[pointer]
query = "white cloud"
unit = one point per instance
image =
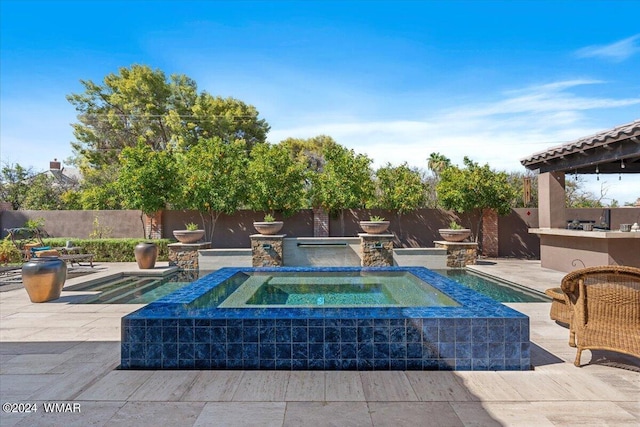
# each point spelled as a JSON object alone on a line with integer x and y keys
{"x": 617, "y": 52}
{"x": 518, "y": 124}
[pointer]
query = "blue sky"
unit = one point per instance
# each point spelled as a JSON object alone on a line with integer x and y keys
{"x": 496, "y": 81}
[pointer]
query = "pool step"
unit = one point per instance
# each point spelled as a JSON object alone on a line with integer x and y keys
{"x": 124, "y": 290}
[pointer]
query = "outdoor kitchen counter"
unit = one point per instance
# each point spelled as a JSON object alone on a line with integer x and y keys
{"x": 613, "y": 234}
{"x": 566, "y": 250}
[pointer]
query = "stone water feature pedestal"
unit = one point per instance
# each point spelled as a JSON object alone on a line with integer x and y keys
{"x": 266, "y": 250}
{"x": 376, "y": 250}
{"x": 459, "y": 254}
{"x": 185, "y": 255}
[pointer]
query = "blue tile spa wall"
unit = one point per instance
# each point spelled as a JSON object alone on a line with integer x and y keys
{"x": 331, "y": 344}
{"x": 482, "y": 335}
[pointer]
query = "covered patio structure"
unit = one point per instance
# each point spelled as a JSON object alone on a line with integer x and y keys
{"x": 566, "y": 246}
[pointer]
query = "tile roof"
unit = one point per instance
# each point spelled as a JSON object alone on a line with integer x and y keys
{"x": 599, "y": 139}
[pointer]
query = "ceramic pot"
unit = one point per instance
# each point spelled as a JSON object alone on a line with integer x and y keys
{"x": 44, "y": 277}
{"x": 374, "y": 227}
{"x": 454, "y": 235}
{"x": 146, "y": 254}
{"x": 268, "y": 227}
{"x": 188, "y": 236}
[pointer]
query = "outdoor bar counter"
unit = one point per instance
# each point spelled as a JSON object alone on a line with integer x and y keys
{"x": 567, "y": 250}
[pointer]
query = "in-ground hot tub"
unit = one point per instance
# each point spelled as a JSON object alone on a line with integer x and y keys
{"x": 333, "y": 318}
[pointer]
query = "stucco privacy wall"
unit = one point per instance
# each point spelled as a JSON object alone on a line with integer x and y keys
{"x": 77, "y": 224}
{"x": 412, "y": 230}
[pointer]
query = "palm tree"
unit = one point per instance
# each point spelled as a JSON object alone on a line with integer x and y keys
{"x": 437, "y": 163}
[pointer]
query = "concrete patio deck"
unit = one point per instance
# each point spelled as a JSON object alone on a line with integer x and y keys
{"x": 65, "y": 352}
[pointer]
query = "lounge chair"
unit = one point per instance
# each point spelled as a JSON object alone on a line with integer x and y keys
{"x": 606, "y": 309}
{"x": 27, "y": 241}
{"x": 30, "y": 244}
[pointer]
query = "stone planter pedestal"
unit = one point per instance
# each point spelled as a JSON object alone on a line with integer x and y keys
{"x": 459, "y": 254}
{"x": 185, "y": 255}
{"x": 266, "y": 250}
{"x": 376, "y": 250}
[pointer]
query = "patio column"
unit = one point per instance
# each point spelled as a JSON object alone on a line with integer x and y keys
{"x": 490, "y": 242}
{"x": 153, "y": 225}
{"x": 551, "y": 200}
{"x": 320, "y": 223}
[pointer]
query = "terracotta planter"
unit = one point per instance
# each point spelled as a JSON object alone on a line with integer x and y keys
{"x": 271, "y": 227}
{"x": 454, "y": 235}
{"x": 146, "y": 254}
{"x": 374, "y": 227}
{"x": 43, "y": 278}
{"x": 188, "y": 236}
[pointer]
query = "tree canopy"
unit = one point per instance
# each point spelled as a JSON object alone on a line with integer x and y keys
{"x": 140, "y": 105}
{"x": 14, "y": 184}
{"x": 474, "y": 188}
{"x": 276, "y": 182}
{"x": 345, "y": 181}
{"x": 399, "y": 188}
{"x": 212, "y": 177}
{"x": 147, "y": 179}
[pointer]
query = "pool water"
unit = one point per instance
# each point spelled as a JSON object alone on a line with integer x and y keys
{"x": 328, "y": 289}
{"x": 499, "y": 291}
{"x": 345, "y": 294}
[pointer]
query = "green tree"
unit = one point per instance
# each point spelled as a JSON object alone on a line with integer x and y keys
{"x": 147, "y": 179}
{"x": 577, "y": 197}
{"x": 14, "y": 184}
{"x": 44, "y": 194}
{"x": 436, "y": 163}
{"x": 99, "y": 189}
{"x": 276, "y": 182}
{"x": 399, "y": 188}
{"x": 474, "y": 188}
{"x": 345, "y": 181}
{"x": 130, "y": 107}
{"x": 72, "y": 199}
{"x": 310, "y": 150}
{"x": 141, "y": 105}
{"x": 213, "y": 116}
{"x": 212, "y": 175}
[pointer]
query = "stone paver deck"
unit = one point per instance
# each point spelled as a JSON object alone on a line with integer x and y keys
{"x": 67, "y": 352}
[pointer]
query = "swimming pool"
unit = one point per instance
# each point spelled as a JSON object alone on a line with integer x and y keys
{"x": 180, "y": 331}
{"x": 140, "y": 289}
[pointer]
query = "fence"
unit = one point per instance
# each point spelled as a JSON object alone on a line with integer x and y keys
{"x": 412, "y": 230}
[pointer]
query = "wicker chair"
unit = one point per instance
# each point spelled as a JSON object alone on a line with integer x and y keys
{"x": 606, "y": 309}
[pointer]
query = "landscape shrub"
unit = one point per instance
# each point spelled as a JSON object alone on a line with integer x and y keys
{"x": 111, "y": 250}
{"x": 8, "y": 252}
